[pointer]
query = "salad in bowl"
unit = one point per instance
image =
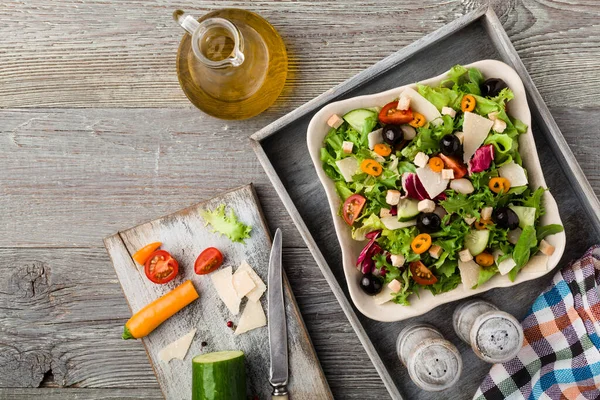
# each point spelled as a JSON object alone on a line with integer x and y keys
{"x": 436, "y": 190}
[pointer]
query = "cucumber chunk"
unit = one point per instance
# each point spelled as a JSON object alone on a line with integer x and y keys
{"x": 476, "y": 241}
{"x": 526, "y": 215}
{"x": 362, "y": 120}
{"x": 407, "y": 209}
{"x": 219, "y": 376}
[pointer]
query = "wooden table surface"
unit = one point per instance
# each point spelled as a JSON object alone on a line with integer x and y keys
{"x": 97, "y": 136}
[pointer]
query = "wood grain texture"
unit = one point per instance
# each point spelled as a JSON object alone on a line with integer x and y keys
{"x": 103, "y": 74}
{"x": 185, "y": 234}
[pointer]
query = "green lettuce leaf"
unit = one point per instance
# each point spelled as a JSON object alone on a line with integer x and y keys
{"x": 444, "y": 284}
{"x": 522, "y": 251}
{"x": 548, "y": 230}
{"x": 485, "y": 274}
{"x": 227, "y": 225}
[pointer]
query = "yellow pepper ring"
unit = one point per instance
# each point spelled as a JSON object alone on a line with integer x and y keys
{"x": 468, "y": 103}
{"x": 371, "y": 167}
{"x": 421, "y": 243}
{"x": 418, "y": 120}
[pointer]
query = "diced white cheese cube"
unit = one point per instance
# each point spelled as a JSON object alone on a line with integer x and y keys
{"x": 392, "y": 197}
{"x": 347, "y": 147}
{"x": 546, "y": 248}
{"x": 499, "y": 126}
{"x": 514, "y": 173}
{"x": 421, "y": 159}
{"x": 403, "y": 103}
{"x": 335, "y": 121}
{"x": 469, "y": 273}
{"x": 493, "y": 115}
{"x": 432, "y": 181}
{"x": 514, "y": 235}
{"x": 423, "y": 106}
{"x": 536, "y": 265}
{"x": 470, "y": 220}
{"x": 486, "y": 212}
{"x": 385, "y": 212}
{"x": 398, "y": 260}
{"x": 408, "y": 131}
{"x": 435, "y": 251}
{"x": 460, "y": 136}
{"x": 395, "y": 285}
{"x": 448, "y": 111}
{"x": 447, "y": 174}
{"x": 375, "y": 137}
{"x": 476, "y": 129}
{"x": 348, "y": 167}
{"x": 465, "y": 255}
{"x": 426, "y": 206}
{"x": 505, "y": 266}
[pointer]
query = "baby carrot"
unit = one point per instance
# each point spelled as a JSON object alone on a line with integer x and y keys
{"x": 161, "y": 309}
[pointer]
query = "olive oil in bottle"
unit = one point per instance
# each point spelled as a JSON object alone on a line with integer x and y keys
{"x": 232, "y": 64}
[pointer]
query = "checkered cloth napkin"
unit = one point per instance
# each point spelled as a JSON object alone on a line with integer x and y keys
{"x": 560, "y": 357}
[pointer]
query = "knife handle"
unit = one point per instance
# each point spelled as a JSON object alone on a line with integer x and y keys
{"x": 280, "y": 393}
{"x": 279, "y": 397}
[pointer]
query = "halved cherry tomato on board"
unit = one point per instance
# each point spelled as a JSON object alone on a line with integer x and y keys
{"x": 382, "y": 149}
{"x": 371, "y": 167}
{"x": 389, "y": 114}
{"x": 417, "y": 121}
{"x": 455, "y": 165}
{"x": 352, "y": 208}
{"x": 161, "y": 267}
{"x": 209, "y": 260}
{"x": 468, "y": 103}
{"x": 498, "y": 185}
{"x": 421, "y": 274}
{"x": 143, "y": 254}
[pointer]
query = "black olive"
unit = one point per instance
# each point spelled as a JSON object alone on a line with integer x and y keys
{"x": 392, "y": 134}
{"x": 429, "y": 222}
{"x": 450, "y": 145}
{"x": 492, "y": 87}
{"x": 506, "y": 218}
{"x": 371, "y": 284}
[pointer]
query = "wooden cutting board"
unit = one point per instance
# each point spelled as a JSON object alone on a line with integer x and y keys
{"x": 185, "y": 235}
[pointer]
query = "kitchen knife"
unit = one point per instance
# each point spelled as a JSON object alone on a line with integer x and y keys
{"x": 278, "y": 373}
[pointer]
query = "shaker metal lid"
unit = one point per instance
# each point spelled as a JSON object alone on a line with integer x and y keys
{"x": 435, "y": 365}
{"x": 496, "y": 337}
{"x": 465, "y": 315}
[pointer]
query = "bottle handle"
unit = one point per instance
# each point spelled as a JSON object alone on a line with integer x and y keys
{"x": 186, "y": 21}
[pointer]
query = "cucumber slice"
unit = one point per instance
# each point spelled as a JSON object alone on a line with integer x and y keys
{"x": 362, "y": 120}
{"x": 407, "y": 209}
{"x": 526, "y": 215}
{"x": 219, "y": 376}
{"x": 476, "y": 241}
{"x": 392, "y": 223}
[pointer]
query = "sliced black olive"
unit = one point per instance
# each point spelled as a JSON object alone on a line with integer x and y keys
{"x": 492, "y": 87}
{"x": 371, "y": 284}
{"x": 506, "y": 218}
{"x": 392, "y": 134}
{"x": 450, "y": 146}
{"x": 429, "y": 222}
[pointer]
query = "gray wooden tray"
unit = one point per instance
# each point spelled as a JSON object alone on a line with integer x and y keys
{"x": 476, "y": 36}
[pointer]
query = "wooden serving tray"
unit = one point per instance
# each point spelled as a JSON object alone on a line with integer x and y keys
{"x": 185, "y": 235}
{"x": 476, "y": 36}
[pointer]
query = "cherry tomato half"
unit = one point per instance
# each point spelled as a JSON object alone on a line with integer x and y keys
{"x": 421, "y": 274}
{"x": 352, "y": 208}
{"x": 209, "y": 260}
{"x": 389, "y": 114}
{"x": 161, "y": 267}
{"x": 455, "y": 165}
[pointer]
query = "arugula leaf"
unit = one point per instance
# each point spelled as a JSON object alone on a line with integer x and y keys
{"x": 548, "y": 230}
{"x": 227, "y": 225}
{"x": 522, "y": 251}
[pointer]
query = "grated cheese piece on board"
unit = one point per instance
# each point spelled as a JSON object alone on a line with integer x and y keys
{"x": 222, "y": 280}
{"x": 243, "y": 283}
{"x": 255, "y": 294}
{"x": 252, "y": 317}
{"x": 177, "y": 349}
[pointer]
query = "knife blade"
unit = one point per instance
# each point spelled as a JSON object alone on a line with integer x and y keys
{"x": 278, "y": 372}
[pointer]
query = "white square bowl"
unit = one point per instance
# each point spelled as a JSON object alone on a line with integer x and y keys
{"x": 388, "y": 312}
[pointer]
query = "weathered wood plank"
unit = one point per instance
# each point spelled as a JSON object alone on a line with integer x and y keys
{"x": 81, "y": 394}
{"x": 123, "y": 54}
{"x": 185, "y": 234}
{"x": 62, "y": 312}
